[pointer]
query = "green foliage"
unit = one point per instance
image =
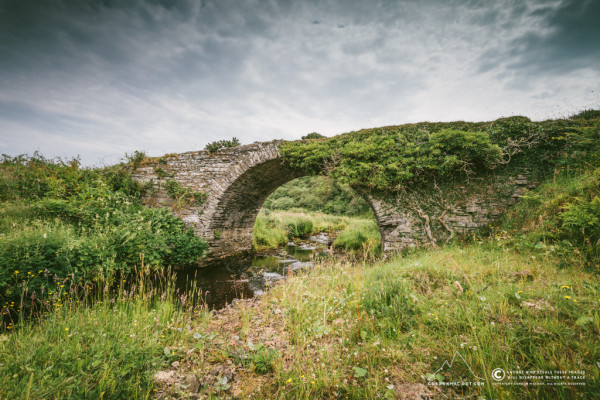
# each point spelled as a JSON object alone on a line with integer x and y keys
{"x": 263, "y": 359}
{"x": 268, "y": 232}
{"x": 59, "y": 220}
{"x": 359, "y": 235}
{"x": 300, "y": 228}
{"x": 317, "y": 193}
{"x": 136, "y": 158}
{"x": 312, "y": 135}
{"x": 392, "y": 157}
{"x": 420, "y": 308}
{"x": 587, "y": 114}
{"x": 184, "y": 195}
{"x": 213, "y": 147}
{"x": 582, "y": 220}
{"x": 561, "y": 216}
{"x": 353, "y": 234}
{"x": 94, "y": 344}
{"x": 161, "y": 173}
{"x": 387, "y": 297}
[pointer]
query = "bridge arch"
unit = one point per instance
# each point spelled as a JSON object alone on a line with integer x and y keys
{"x": 238, "y": 180}
{"x": 238, "y": 206}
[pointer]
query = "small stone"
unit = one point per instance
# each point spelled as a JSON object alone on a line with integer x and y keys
{"x": 164, "y": 377}
{"x": 175, "y": 365}
{"x": 193, "y": 383}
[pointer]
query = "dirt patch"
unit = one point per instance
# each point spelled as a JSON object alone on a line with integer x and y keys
{"x": 223, "y": 360}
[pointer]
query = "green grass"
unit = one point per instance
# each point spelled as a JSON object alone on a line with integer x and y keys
{"x": 67, "y": 221}
{"x": 561, "y": 216}
{"x": 359, "y": 235}
{"x": 523, "y": 296}
{"x": 105, "y": 343}
{"x": 275, "y": 228}
{"x": 367, "y": 331}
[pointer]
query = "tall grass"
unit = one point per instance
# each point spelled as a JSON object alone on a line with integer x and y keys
{"x": 102, "y": 340}
{"x": 275, "y": 228}
{"x": 368, "y": 331}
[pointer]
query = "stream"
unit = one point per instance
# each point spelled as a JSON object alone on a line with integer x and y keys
{"x": 243, "y": 277}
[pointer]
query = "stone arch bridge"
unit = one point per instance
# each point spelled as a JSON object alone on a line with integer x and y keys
{"x": 238, "y": 180}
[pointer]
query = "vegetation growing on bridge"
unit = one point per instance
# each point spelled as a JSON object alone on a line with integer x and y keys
{"x": 391, "y": 157}
{"x": 213, "y": 147}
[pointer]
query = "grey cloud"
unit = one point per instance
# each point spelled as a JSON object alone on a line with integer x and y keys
{"x": 166, "y": 75}
{"x": 565, "y": 40}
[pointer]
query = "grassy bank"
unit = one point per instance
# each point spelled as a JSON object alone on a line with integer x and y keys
{"x": 384, "y": 330}
{"x": 523, "y": 296}
{"x": 340, "y": 330}
{"x": 104, "y": 341}
{"x": 275, "y": 228}
{"x": 59, "y": 221}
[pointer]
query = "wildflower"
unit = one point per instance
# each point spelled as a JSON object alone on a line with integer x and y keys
{"x": 567, "y": 297}
{"x": 289, "y": 380}
{"x": 565, "y": 287}
{"x": 66, "y": 329}
{"x": 16, "y": 271}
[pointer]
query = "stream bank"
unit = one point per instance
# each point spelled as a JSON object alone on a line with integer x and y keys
{"x": 246, "y": 276}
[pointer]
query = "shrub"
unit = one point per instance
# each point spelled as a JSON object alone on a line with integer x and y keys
{"x": 184, "y": 195}
{"x": 313, "y": 135}
{"x": 300, "y": 228}
{"x": 213, "y": 147}
{"x": 84, "y": 223}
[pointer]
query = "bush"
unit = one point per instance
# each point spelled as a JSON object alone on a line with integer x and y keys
{"x": 394, "y": 157}
{"x": 213, "y": 147}
{"x": 317, "y": 193}
{"x": 83, "y": 224}
{"x": 300, "y": 228}
{"x": 313, "y": 135}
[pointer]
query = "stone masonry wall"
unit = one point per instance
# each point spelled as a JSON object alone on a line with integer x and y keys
{"x": 433, "y": 214}
{"x": 238, "y": 180}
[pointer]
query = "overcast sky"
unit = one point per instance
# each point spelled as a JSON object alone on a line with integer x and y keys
{"x": 99, "y": 78}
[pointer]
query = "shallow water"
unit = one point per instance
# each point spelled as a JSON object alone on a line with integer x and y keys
{"x": 243, "y": 277}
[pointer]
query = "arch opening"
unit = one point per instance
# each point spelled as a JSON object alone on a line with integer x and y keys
{"x": 273, "y": 187}
{"x": 317, "y": 205}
